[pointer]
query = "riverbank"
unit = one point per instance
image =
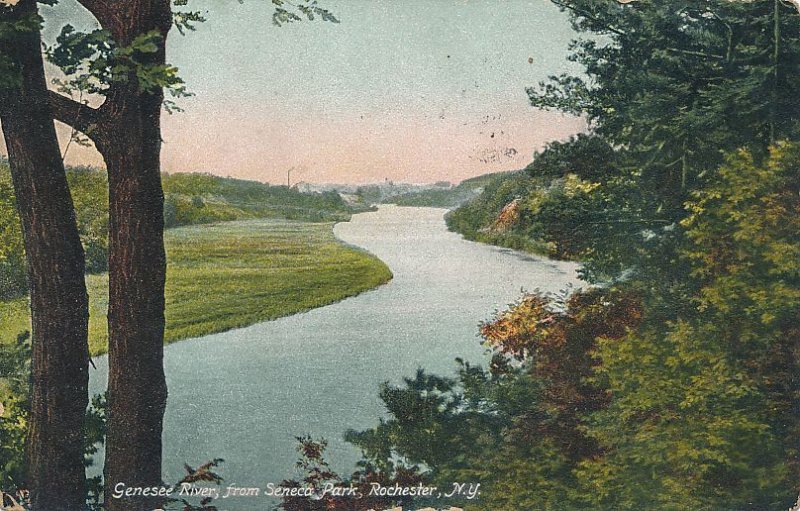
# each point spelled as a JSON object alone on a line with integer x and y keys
{"x": 233, "y": 274}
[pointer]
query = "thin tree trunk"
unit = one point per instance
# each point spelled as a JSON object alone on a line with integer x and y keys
{"x": 776, "y": 54}
{"x": 59, "y": 303}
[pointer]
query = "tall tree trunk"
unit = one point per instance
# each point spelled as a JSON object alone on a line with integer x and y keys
{"x": 137, "y": 271}
{"x": 130, "y": 141}
{"x": 59, "y": 303}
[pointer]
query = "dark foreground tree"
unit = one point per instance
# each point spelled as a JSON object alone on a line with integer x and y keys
{"x": 55, "y": 259}
{"x": 126, "y": 130}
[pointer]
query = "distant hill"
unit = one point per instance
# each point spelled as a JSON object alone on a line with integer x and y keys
{"x": 202, "y": 198}
{"x": 449, "y": 198}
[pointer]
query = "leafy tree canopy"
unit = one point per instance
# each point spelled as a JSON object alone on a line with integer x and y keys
{"x": 678, "y": 83}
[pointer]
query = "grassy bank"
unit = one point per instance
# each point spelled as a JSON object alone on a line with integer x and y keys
{"x": 233, "y": 274}
{"x": 189, "y": 199}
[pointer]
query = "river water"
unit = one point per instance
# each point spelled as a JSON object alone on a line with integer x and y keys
{"x": 244, "y": 395}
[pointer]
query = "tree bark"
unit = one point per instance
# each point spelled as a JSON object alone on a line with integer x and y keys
{"x": 137, "y": 272}
{"x": 55, "y": 258}
{"x": 129, "y": 138}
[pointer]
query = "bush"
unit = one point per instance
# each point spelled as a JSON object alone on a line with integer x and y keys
{"x": 14, "y": 382}
{"x": 13, "y": 275}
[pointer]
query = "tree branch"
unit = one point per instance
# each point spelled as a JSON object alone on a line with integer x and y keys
{"x": 75, "y": 114}
{"x": 590, "y": 17}
{"x": 692, "y": 53}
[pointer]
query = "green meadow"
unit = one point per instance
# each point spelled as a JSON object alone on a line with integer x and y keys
{"x": 232, "y": 274}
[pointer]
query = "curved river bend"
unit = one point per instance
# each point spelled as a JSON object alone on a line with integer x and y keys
{"x": 244, "y": 395}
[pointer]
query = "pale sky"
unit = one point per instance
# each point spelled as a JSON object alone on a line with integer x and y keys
{"x": 412, "y": 91}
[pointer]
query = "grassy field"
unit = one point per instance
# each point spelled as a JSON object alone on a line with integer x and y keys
{"x": 233, "y": 274}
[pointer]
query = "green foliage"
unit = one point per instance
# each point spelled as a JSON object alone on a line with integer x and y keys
{"x": 434, "y": 198}
{"x": 474, "y": 217}
{"x": 659, "y": 82}
{"x": 15, "y": 376}
{"x": 565, "y": 216}
{"x": 675, "y": 78}
{"x": 186, "y": 21}
{"x": 562, "y": 209}
{"x": 705, "y": 412}
{"x": 15, "y": 367}
{"x": 204, "y": 198}
{"x": 468, "y": 430}
{"x": 317, "y": 473}
{"x": 444, "y": 197}
{"x": 12, "y": 26}
{"x": 686, "y": 428}
{"x": 93, "y": 61}
{"x": 13, "y": 274}
{"x": 721, "y": 282}
{"x": 662, "y": 78}
{"x": 89, "y": 190}
{"x": 516, "y": 428}
{"x": 686, "y": 397}
{"x": 284, "y": 12}
{"x": 589, "y": 157}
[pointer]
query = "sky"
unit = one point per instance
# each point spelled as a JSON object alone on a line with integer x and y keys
{"x": 413, "y": 91}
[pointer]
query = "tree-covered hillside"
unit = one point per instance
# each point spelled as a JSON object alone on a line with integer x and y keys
{"x": 201, "y": 198}
{"x": 189, "y": 199}
{"x": 547, "y": 207}
{"x": 450, "y": 197}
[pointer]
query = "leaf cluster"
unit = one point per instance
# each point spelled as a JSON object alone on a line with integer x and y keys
{"x": 93, "y": 62}
{"x": 288, "y": 12}
{"x": 13, "y": 26}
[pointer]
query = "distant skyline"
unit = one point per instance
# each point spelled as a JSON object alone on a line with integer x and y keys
{"x": 413, "y": 91}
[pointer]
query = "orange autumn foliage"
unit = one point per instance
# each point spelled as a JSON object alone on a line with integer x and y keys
{"x": 554, "y": 339}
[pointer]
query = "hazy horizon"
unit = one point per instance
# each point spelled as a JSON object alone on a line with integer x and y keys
{"x": 417, "y": 93}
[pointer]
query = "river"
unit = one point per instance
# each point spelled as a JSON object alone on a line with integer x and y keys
{"x": 244, "y": 395}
